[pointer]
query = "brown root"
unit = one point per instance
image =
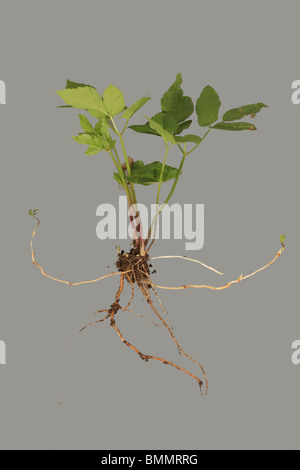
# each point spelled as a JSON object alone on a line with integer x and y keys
{"x": 226, "y": 286}
{"x": 145, "y": 357}
{"x": 135, "y": 268}
{"x": 61, "y": 280}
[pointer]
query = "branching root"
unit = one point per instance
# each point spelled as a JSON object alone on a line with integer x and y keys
{"x": 135, "y": 268}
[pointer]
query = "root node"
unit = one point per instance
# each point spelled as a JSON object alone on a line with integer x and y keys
{"x": 144, "y": 357}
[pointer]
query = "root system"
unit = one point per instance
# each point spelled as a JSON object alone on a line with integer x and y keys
{"x": 135, "y": 269}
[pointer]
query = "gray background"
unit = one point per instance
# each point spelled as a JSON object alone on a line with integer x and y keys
{"x": 249, "y": 183}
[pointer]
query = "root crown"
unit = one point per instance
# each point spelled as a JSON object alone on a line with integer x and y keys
{"x": 135, "y": 265}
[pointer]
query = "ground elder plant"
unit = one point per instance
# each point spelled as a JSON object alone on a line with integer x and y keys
{"x": 103, "y": 132}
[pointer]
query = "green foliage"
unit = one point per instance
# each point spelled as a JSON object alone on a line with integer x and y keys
{"x": 207, "y": 107}
{"x": 85, "y": 124}
{"x": 248, "y": 110}
{"x": 102, "y": 130}
{"x": 167, "y": 136}
{"x": 175, "y": 104}
{"x": 188, "y": 138}
{"x": 97, "y": 138}
{"x": 86, "y": 98}
{"x": 183, "y": 126}
{"x": 148, "y": 174}
{"x": 143, "y": 129}
{"x": 169, "y": 124}
{"x": 166, "y": 121}
{"x": 235, "y": 126}
{"x": 175, "y": 110}
{"x": 135, "y": 107}
{"x": 33, "y": 213}
{"x": 113, "y": 100}
{"x": 95, "y": 143}
{"x": 72, "y": 85}
{"x": 282, "y": 241}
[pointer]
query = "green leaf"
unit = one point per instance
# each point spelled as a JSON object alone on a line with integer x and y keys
{"x": 33, "y": 213}
{"x": 96, "y": 144}
{"x": 188, "y": 138}
{"x": 89, "y": 139}
{"x": 183, "y": 126}
{"x": 166, "y": 121}
{"x": 117, "y": 178}
{"x": 85, "y": 124}
{"x": 137, "y": 164}
{"x": 135, "y": 107}
{"x": 86, "y": 98}
{"x": 207, "y": 107}
{"x": 282, "y": 239}
{"x": 102, "y": 130}
{"x": 143, "y": 129}
{"x": 150, "y": 174}
{"x": 72, "y": 85}
{"x": 113, "y": 100}
{"x": 235, "y": 126}
{"x": 92, "y": 151}
{"x": 161, "y": 131}
{"x": 174, "y": 103}
{"x": 239, "y": 113}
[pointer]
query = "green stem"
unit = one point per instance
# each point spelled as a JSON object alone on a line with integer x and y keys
{"x": 161, "y": 175}
{"x": 160, "y": 209}
{"x": 175, "y": 182}
{"x": 122, "y": 176}
{"x": 125, "y": 127}
{"x": 200, "y": 142}
{"x": 128, "y": 168}
{"x": 131, "y": 191}
{"x": 126, "y": 160}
